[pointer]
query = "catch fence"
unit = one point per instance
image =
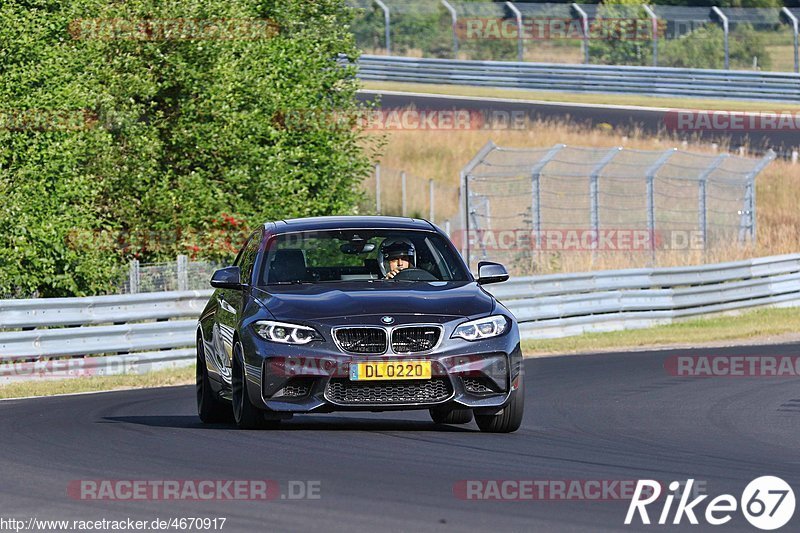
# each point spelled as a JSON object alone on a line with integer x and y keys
{"x": 520, "y": 204}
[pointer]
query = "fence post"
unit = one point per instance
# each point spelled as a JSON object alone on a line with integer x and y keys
{"x": 651, "y": 196}
{"x": 536, "y": 199}
{"x": 403, "y": 185}
{"x": 702, "y": 207}
{"x": 749, "y": 213}
{"x": 133, "y": 276}
{"x": 464, "y": 202}
{"x": 431, "y": 200}
{"x": 789, "y": 15}
{"x": 454, "y": 17}
{"x": 654, "y": 20}
{"x": 520, "y": 43}
{"x": 585, "y": 27}
{"x": 387, "y": 23}
{"x": 725, "y": 28}
{"x": 594, "y": 189}
{"x": 183, "y": 273}
{"x": 378, "y": 188}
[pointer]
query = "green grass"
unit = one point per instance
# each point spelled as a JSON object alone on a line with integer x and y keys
{"x": 767, "y": 325}
{"x": 583, "y": 98}
{"x": 41, "y": 387}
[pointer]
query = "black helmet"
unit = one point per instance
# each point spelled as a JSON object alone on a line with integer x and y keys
{"x": 394, "y": 248}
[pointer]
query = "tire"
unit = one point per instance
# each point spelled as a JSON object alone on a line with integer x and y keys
{"x": 210, "y": 408}
{"x": 245, "y": 414}
{"x": 451, "y": 416}
{"x": 509, "y": 419}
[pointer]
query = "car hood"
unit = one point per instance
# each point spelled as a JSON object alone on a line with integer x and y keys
{"x": 326, "y": 300}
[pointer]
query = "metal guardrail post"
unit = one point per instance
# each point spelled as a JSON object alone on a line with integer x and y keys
{"x": 585, "y": 26}
{"x": 724, "y": 21}
{"x": 133, "y": 276}
{"x": 183, "y": 272}
{"x": 387, "y": 23}
{"x": 702, "y": 198}
{"x": 789, "y": 15}
{"x": 454, "y": 17}
{"x": 594, "y": 188}
{"x": 378, "y": 188}
{"x": 650, "y": 175}
{"x": 654, "y": 20}
{"x": 520, "y": 43}
{"x": 431, "y": 201}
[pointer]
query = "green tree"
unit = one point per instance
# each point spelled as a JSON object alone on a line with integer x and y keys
{"x": 180, "y": 130}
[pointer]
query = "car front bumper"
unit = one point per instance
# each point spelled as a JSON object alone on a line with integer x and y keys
{"x": 304, "y": 379}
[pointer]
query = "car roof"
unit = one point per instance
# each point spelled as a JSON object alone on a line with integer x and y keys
{"x": 349, "y": 222}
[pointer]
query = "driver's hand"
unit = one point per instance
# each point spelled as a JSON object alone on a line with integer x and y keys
{"x": 393, "y": 273}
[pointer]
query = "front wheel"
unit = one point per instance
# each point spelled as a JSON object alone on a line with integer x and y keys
{"x": 509, "y": 419}
{"x": 245, "y": 414}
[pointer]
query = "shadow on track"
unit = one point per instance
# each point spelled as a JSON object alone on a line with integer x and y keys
{"x": 300, "y": 422}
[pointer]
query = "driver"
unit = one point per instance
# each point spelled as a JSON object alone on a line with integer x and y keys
{"x": 397, "y": 255}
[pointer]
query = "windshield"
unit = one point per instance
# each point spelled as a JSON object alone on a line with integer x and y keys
{"x": 360, "y": 255}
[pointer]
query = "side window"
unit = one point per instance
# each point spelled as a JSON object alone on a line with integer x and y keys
{"x": 248, "y": 257}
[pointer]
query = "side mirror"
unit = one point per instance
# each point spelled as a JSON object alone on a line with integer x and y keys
{"x": 227, "y": 278}
{"x": 491, "y": 273}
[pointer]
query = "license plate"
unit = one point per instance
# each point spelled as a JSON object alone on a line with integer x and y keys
{"x": 381, "y": 370}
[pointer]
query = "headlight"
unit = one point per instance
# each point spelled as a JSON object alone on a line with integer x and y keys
{"x": 483, "y": 328}
{"x": 285, "y": 333}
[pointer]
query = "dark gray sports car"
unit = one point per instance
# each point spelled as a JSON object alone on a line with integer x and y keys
{"x": 357, "y": 313}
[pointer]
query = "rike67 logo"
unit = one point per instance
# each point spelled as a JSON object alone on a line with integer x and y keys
{"x": 767, "y": 503}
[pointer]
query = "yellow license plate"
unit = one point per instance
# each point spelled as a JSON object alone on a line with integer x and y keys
{"x": 380, "y": 370}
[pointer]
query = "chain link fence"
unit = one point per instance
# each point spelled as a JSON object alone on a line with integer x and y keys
{"x": 677, "y": 36}
{"x": 396, "y": 192}
{"x": 521, "y": 204}
{"x": 181, "y": 275}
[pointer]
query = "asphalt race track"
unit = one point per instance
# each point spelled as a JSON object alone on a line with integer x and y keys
{"x": 597, "y": 417}
{"x": 624, "y": 118}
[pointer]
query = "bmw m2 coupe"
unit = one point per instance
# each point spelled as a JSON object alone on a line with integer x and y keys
{"x": 357, "y": 314}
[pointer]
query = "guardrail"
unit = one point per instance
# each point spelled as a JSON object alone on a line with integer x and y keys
{"x": 653, "y": 81}
{"x": 140, "y": 332}
{"x": 561, "y": 305}
{"x": 132, "y": 333}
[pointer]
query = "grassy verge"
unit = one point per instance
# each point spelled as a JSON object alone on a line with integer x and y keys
{"x": 762, "y": 325}
{"x": 582, "y": 98}
{"x": 160, "y": 378}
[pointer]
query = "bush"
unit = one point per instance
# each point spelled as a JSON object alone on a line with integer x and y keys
{"x": 170, "y": 134}
{"x": 617, "y": 48}
{"x": 705, "y": 48}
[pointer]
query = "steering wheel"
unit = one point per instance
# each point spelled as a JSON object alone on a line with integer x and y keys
{"x": 415, "y": 274}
